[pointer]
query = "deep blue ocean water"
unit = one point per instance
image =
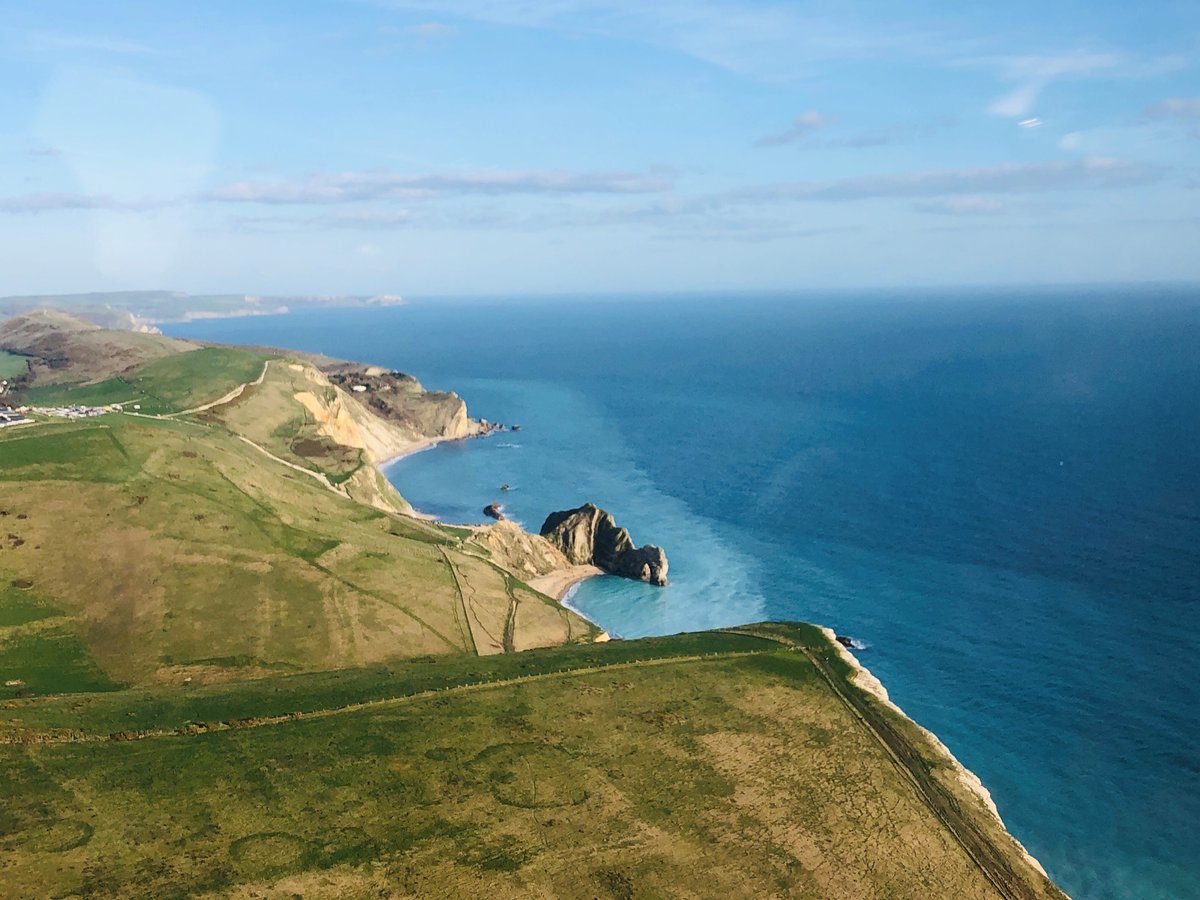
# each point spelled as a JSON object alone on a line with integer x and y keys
{"x": 997, "y": 491}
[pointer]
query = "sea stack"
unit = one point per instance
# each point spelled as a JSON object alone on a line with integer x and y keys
{"x": 589, "y": 536}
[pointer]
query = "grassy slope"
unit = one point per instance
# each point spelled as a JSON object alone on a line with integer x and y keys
{"x": 702, "y": 764}
{"x": 11, "y": 365}
{"x": 67, "y": 350}
{"x": 269, "y": 415}
{"x": 174, "y": 550}
{"x": 177, "y": 382}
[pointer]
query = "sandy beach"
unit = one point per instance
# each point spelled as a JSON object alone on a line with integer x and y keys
{"x": 556, "y": 584}
{"x": 415, "y": 447}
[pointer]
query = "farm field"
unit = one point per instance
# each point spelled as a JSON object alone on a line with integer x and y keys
{"x": 11, "y": 365}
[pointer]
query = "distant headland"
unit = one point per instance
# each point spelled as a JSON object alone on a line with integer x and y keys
{"x": 144, "y": 310}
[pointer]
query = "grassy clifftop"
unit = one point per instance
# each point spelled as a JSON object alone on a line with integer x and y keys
{"x": 231, "y": 666}
{"x": 704, "y": 765}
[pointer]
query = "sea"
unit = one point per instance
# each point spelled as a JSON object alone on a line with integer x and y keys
{"x": 995, "y": 492}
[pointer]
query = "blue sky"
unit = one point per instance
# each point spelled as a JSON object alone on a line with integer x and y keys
{"x": 496, "y": 146}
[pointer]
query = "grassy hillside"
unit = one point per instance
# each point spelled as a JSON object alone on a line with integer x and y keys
{"x": 171, "y": 384}
{"x": 270, "y": 415}
{"x": 66, "y": 350}
{"x": 11, "y": 365}
{"x": 701, "y": 765}
{"x": 172, "y": 549}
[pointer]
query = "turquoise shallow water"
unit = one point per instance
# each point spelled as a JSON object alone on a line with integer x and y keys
{"x": 999, "y": 493}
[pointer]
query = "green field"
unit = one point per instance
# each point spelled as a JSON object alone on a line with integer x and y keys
{"x": 174, "y": 383}
{"x": 12, "y": 365}
{"x": 702, "y": 765}
{"x": 180, "y": 551}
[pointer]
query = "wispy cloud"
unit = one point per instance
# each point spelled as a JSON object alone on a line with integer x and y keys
{"x": 423, "y": 30}
{"x": 51, "y": 41}
{"x": 1033, "y": 74}
{"x": 1092, "y": 173}
{"x": 53, "y": 201}
{"x": 804, "y": 126}
{"x": 964, "y": 206}
{"x": 762, "y": 39}
{"x": 1175, "y": 108}
{"x": 357, "y": 187}
{"x": 753, "y": 231}
{"x": 805, "y": 134}
{"x": 46, "y": 151}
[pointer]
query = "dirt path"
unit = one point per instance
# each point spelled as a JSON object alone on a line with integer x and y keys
{"x": 469, "y": 636}
{"x": 319, "y": 476}
{"x": 228, "y": 398}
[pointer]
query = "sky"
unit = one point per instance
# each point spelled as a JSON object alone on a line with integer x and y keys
{"x": 512, "y": 146}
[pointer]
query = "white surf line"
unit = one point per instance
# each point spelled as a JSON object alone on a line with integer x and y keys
{"x": 228, "y": 398}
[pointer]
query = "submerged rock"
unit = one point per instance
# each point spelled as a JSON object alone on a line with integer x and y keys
{"x": 589, "y": 536}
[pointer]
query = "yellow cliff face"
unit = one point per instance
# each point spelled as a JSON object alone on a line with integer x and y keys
{"x": 344, "y": 419}
{"x": 335, "y": 422}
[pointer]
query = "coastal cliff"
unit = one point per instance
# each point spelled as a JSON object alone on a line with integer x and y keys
{"x": 186, "y": 548}
{"x": 589, "y": 535}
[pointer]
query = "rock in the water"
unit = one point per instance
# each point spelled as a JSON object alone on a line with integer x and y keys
{"x": 495, "y": 510}
{"x": 589, "y": 536}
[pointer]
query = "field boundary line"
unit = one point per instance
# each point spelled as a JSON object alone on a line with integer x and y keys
{"x": 193, "y": 729}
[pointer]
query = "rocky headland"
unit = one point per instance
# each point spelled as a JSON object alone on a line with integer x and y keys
{"x": 589, "y": 536}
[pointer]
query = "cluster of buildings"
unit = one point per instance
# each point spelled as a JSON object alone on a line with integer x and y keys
{"x": 74, "y": 412}
{"x": 10, "y": 417}
{"x": 22, "y": 415}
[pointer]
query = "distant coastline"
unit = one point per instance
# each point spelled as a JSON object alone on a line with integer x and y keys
{"x": 145, "y": 310}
